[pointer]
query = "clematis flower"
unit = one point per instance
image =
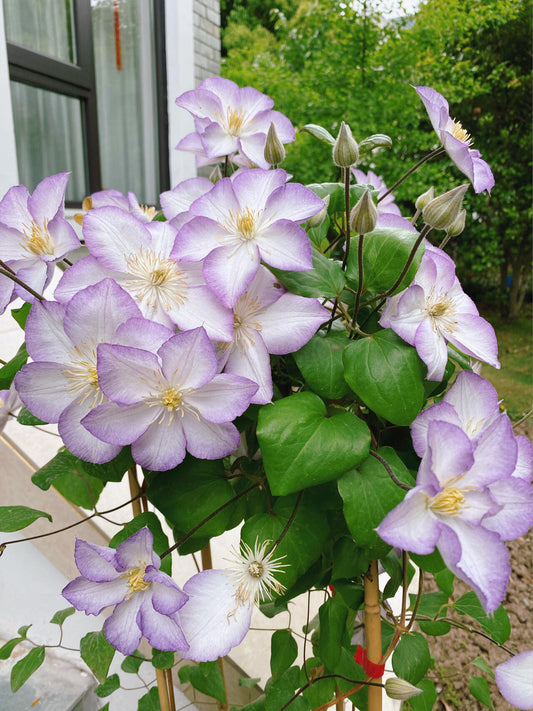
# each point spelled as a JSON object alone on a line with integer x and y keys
{"x": 455, "y": 140}
{"x": 229, "y": 119}
{"x": 61, "y": 384}
{"x": 218, "y": 612}
{"x": 434, "y": 311}
{"x": 169, "y": 402}
{"x": 456, "y": 506}
{"x": 242, "y": 220}
{"x": 146, "y": 600}
{"x": 515, "y": 680}
{"x": 137, "y": 257}
{"x": 268, "y": 319}
{"x": 114, "y": 198}
{"x": 34, "y": 235}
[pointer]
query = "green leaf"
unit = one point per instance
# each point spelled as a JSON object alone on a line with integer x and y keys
{"x": 303, "y": 541}
{"x": 97, "y": 653}
{"x": 426, "y": 700}
{"x": 257, "y": 705}
{"x": 385, "y": 253}
{"x": 432, "y": 563}
{"x": 14, "y": 518}
{"x": 411, "y": 658}
{"x": 445, "y": 580}
{"x": 131, "y": 664}
{"x": 67, "y": 473}
{"x": 349, "y": 561}
{"x": 189, "y": 494}
{"x": 319, "y": 132}
{"x": 149, "y": 519}
{"x": 23, "y": 631}
{"x": 26, "y": 418}
{"x": 113, "y": 470}
{"x": 25, "y": 667}
{"x": 480, "y": 663}
{"x": 303, "y": 447}
{"x": 110, "y": 685}
{"x": 150, "y": 701}
{"x": 249, "y": 683}
{"x": 205, "y": 677}
{"x": 283, "y": 651}
{"x": 325, "y": 279}
{"x": 61, "y": 615}
{"x": 369, "y": 494}
{"x": 21, "y": 314}
{"x": 387, "y": 374}
{"x": 280, "y": 690}
{"x": 12, "y": 367}
{"x": 8, "y": 647}
{"x": 320, "y": 362}
{"x": 433, "y": 605}
{"x": 333, "y": 615}
{"x": 496, "y": 624}
{"x": 377, "y": 140}
{"x": 479, "y": 688}
{"x": 162, "y": 660}
{"x": 321, "y": 690}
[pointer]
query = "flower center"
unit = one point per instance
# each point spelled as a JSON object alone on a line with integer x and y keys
{"x": 171, "y": 399}
{"x": 154, "y": 279}
{"x": 441, "y": 311}
{"x": 246, "y": 224}
{"x": 449, "y": 502}
{"x": 83, "y": 376}
{"x": 148, "y": 210}
{"x": 38, "y": 240}
{"x": 136, "y": 582}
{"x": 234, "y": 121}
{"x": 256, "y": 569}
{"x": 456, "y": 129}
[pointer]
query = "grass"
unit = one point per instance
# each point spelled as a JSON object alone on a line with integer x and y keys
{"x": 514, "y": 382}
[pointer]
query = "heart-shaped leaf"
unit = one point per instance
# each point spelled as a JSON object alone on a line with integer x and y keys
{"x": 302, "y": 446}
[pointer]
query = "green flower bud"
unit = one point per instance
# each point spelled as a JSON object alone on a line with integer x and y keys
{"x": 457, "y": 225}
{"x": 442, "y": 211}
{"x": 319, "y": 218}
{"x": 345, "y": 150}
{"x": 423, "y": 199}
{"x": 364, "y": 215}
{"x": 216, "y": 174}
{"x": 400, "y": 689}
{"x": 274, "y": 149}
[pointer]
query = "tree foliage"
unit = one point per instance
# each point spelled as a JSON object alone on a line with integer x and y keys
{"x": 344, "y": 61}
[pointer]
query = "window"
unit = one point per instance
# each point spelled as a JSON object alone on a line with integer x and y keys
{"x": 87, "y": 78}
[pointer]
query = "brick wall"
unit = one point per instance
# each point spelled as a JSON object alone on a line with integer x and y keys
{"x": 206, "y": 39}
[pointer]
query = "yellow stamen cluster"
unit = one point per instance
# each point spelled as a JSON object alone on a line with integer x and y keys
{"x": 136, "y": 582}
{"x": 38, "y": 240}
{"x": 449, "y": 502}
{"x": 155, "y": 278}
{"x": 457, "y": 131}
{"x": 83, "y": 377}
{"x": 171, "y": 399}
{"x": 234, "y": 121}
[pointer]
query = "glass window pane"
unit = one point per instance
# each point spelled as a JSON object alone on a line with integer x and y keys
{"x": 126, "y": 94}
{"x": 50, "y": 138}
{"x": 45, "y": 26}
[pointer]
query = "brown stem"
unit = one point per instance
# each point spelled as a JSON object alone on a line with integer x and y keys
{"x": 207, "y": 558}
{"x": 10, "y": 274}
{"x": 135, "y": 490}
{"x": 170, "y": 687}
{"x": 390, "y": 472}
{"x": 162, "y": 689}
{"x": 373, "y": 630}
{"x": 223, "y": 706}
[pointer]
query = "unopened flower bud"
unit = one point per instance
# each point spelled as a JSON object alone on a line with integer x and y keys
{"x": 274, "y": 149}
{"x": 86, "y": 205}
{"x": 345, "y": 150}
{"x": 364, "y": 215}
{"x": 216, "y": 174}
{"x": 457, "y": 225}
{"x": 320, "y": 216}
{"x": 400, "y": 689}
{"x": 423, "y": 199}
{"x": 443, "y": 210}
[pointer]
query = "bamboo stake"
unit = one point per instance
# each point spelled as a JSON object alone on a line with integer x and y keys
{"x": 373, "y": 630}
{"x": 162, "y": 689}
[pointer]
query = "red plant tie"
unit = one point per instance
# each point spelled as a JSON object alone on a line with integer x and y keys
{"x": 118, "y": 48}
{"x": 373, "y": 670}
